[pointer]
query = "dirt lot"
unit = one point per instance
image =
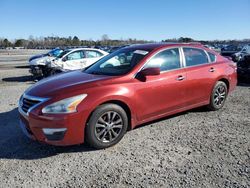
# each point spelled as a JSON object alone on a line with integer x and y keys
{"x": 197, "y": 148}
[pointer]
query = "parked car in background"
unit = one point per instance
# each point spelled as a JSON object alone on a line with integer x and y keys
{"x": 53, "y": 52}
{"x": 74, "y": 59}
{"x": 241, "y": 54}
{"x": 209, "y": 46}
{"x": 38, "y": 63}
{"x": 229, "y": 50}
{"x": 115, "y": 48}
{"x": 213, "y": 47}
{"x": 243, "y": 69}
{"x": 98, "y": 105}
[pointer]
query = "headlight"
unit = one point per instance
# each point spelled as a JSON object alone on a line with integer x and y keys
{"x": 55, "y": 64}
{"x": 49, "y": 64}
{"x": 64, "y": 106}
{"x": 41, "y": 61}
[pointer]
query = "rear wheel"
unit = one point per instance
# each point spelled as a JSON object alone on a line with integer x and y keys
{"x": 218, "y": 96}
{"x": 106, "y": 126}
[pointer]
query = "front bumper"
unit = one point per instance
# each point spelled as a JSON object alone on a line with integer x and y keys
{"x": 59, "y": 130}
{"x": 36, "y": 70}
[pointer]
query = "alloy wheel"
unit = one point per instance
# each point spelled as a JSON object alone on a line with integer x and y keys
{"x": 108, "y": 126}
{"x": 220, "y": 95}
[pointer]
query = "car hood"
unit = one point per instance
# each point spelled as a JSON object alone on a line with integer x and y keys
{"x": 65, "y": 82}
{"x": 37, "y": 56}
{"x": 42, "y": 60}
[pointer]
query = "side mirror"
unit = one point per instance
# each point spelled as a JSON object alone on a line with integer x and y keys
{"x": 151, "y": 71}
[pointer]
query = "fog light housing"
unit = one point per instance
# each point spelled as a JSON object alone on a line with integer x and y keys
{"x": 54, "y": 134}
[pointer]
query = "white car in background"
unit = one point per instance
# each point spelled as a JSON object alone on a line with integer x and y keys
{"x": 74, "y": 59}
{"x": 38, "y": 63}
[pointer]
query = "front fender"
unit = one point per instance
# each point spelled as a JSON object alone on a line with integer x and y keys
{"x": 96, "y": 97}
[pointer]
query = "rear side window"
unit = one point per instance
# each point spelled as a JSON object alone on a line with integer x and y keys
{"x": 166, "y": 60}
{"x": 92, "y": 54}
{"x": 195, "y": 56}
{"x": 212, "y": 57}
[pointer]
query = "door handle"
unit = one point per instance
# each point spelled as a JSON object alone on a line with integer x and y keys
{"x": 211, "y": 69}
{"x": 180, "y": 78}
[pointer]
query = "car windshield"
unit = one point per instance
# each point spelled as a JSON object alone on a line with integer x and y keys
{"x": 117, "y": 63}
{"x": 55, "y": 52}
{"x": 63, "y": 53}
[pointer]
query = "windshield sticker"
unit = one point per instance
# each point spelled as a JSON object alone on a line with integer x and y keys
{"x": 142, "y": 52}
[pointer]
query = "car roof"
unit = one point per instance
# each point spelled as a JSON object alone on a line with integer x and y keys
{"x": 153, "y": 46}
{"x": 74, "y": 49}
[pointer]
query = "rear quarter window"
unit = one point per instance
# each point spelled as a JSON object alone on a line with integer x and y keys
{"x": 93, "y": 54}
{"x": 212, "y": 56}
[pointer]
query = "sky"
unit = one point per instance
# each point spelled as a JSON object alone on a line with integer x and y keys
{"x": 141, "y": 19}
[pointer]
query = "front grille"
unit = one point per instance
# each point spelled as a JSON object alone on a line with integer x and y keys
{"x": 27, "y": 103}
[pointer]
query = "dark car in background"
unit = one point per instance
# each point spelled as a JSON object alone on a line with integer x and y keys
{"x": 241, "y": 54}
{"x": 229, "y": 50}
{"x": 115, "y": 48}
{"x": 243, "y": 69}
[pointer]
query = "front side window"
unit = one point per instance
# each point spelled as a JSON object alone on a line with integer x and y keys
{"x": 92, "y": 54}
{"x": 75, "y": 55}
{"x": 63, "y": 54}
{"x": 166, "y": 60}
{"x": 117, "y": 63}
{"x": 195, "y": 56}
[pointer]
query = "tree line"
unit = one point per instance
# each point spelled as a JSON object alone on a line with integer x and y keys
{"x": 54, "y": 41}
{"x": 187, "y": 39}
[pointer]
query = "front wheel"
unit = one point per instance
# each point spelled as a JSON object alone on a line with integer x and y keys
{"x": 106, "y": 126}
{"x": 218, "y": 96}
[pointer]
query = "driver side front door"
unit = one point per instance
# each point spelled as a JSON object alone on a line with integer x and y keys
{"x": 165, "y": 93}
{"x": 74, "y": 60}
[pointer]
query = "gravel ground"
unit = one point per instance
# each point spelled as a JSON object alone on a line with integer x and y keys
{"x": 197, "y": 148}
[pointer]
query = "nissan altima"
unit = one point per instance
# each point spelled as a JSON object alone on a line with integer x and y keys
{"x": 131, "y": 86}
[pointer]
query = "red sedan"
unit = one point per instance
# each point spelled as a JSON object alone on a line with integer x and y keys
{"x": 131, "y": 86}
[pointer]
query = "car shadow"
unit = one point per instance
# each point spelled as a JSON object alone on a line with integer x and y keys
{"x": 199, "y": 109}
{"x": 22, "y": 67}
{"x": 19, "y": 79}
{"x": 15, "y": 145}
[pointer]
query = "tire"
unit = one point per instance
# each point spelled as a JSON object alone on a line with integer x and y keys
{"x": 106, "y": 126}
{"x": 218, "y": 96}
